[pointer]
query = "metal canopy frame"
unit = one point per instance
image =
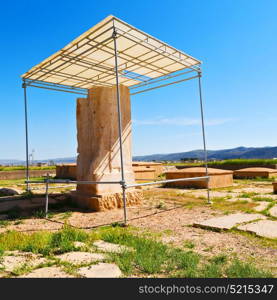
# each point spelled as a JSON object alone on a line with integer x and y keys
{"x": 125, "y": 55}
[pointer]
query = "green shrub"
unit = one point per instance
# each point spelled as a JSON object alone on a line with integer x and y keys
{"x": 244, "y": 161}
{"x": 189, "y": 244}
{"x": 62, "y": 241}
{"x": 219, "y": 259}
{"x": 183, "y": 260}
{"x": 211, "y": 270}
{"x": 239, "y": 269}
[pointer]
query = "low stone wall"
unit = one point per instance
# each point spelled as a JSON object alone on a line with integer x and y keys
{"x": 22, "y": 204}
{"x": 231, "y": 166}
{"x": 157, "y": 167}
{"x": 216, "y": 181}
{"x": 67, "y": 171}
{"x": 142, "y": 170}
{"x": 218, "y": 178}
{"x": 21, "y": 174}
{"x": 255, "y": 172}
{"x": 144, "y": 173}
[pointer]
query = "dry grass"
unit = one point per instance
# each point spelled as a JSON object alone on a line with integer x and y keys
{"x": 173, "y": 196}
{"x": 228, "y": 206}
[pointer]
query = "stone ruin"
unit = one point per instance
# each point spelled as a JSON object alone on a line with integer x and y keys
{"x": 99, "y": 152}
{"x": 255, "y": 172}
{"x": 218, "y": 178}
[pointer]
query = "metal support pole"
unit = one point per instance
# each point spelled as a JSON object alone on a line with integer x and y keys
{"x": 203, "y": 134}
{"x": 46, "y": 195}
{"x": 123, "y": 184}
{"x": 26, "y": 134}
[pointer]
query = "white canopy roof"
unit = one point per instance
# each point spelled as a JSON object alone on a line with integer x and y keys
{"x": 89, "y": 59}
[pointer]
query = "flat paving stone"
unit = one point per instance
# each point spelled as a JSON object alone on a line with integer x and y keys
{"x": 273, "y": 211}
{"x": 110, "y": 247}
{"x": 229, "y": 221}
{"x": 263, "y": 228}
{"x": 48, "y": 272}
{"x": 262, "y": 206}
{"x": 81, "y": 257}
{"x": 102, "y": 270}
{"x": 11, "y": 262}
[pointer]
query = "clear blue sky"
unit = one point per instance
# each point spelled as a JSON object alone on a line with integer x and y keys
{"x": 235, "y": 39}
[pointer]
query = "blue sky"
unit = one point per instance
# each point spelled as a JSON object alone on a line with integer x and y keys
{"x": 235, "y": 39}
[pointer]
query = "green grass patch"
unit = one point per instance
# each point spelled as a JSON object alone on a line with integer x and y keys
{"x": 244, "y": 162}
{"x": 238, "y": 162}
{"x": 231, "y": 206}
{"x": 265, "y": 179}
{"x": 4, "y": 223}
{"x": 247, "y": 195}
{"x": 266, "y": 211}
{"x": 66, "y": 215}
{"x": 211, "y": 271}
{"x": 244, "y": 181}
{"x": 161, "y": 196}
{"x": 148, "y": 255}
{"x": 219, "y": 259}
{"x": 262, "y": 198}
{"x": 18, "y": 168}
{"x": 239, "y": 269}
{"x": 62, "y": 241}
{"x": 23, "y": 269}
{"x": 11, "y": 182}
{"x": 215, "y": 267}
{"x": 260, "y": 241}
{"x": 1, "y": 251}
{"x": 189, "y": 244}
{"x": 39, "y": 213}
{"x": 28, "y": 195}
{"x": 155, "y": 258}
{"x": 45, "y": 243}
{"x": 161, "y": 205}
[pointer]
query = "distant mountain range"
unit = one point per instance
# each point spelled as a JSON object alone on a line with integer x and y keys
{"x": 240, "y": 152}
{"x": 22, "y": 162}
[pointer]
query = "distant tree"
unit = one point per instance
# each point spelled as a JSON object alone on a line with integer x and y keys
{"x": 188, "y": 159}
{"x": 183, "y": 159}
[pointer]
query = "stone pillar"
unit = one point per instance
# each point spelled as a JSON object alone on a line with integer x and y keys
{"x": 98, "y": 148}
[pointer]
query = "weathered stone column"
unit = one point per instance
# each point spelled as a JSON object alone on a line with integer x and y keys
{"x": 98, "y": 148}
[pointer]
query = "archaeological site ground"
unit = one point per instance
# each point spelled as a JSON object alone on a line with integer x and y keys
{"x": 172, "y": 232}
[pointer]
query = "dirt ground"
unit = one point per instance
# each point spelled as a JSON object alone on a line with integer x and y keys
{"x": 171, "y": 213}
